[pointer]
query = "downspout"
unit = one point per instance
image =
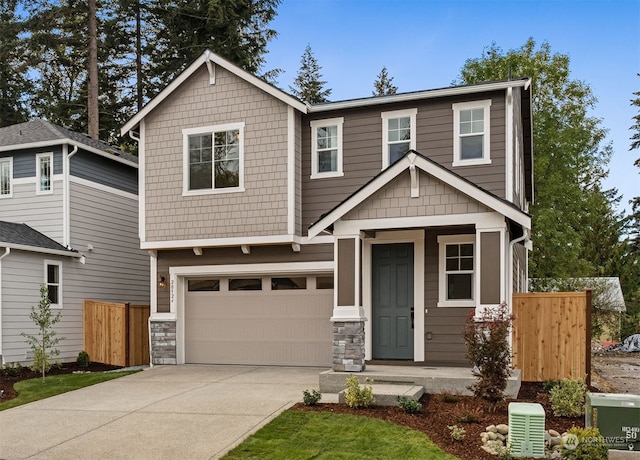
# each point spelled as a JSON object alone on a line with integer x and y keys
{"x": 66, "y": 200}
{"x": 512, "y": 243}
{"x": 7, "y": 251}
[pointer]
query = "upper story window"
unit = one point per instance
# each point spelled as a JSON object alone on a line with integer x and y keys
{"x": 44, "y": 172}
{"x": 457, "y": 270}
{"x": 53, "y": 281}
{"x": 471, "y": 133}
{"x": 326, "y": 148}
{"x": 398, "y": 134}
{"x": 6, "y": 175}
{"x": 213, "y": 159}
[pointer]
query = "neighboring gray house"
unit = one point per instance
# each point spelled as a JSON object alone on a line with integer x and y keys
{"x": 366, "y": 229}
{"x": 68, "y": 219}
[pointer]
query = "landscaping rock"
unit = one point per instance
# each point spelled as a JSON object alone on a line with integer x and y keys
{"x": 494, "y": 441}
{"x": 502, "y": 429}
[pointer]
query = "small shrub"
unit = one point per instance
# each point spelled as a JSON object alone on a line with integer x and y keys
{"x": 311, "y": 398}
{"x": 356, "y": 396}
{"x": 549, "y": 385}
{"x": 468, "y": 414}
{"x": 83, "y": 359}
{"x": 457, "y": 433}
{"x": 409, "y": 405}
{"x": 584, "y": 444}
{"x": 502, "y": 452}
{"x": 12, "y": 370}
{"x": 567, "y": 398}
{"x": 487, "y": 344}
{"x": 449, "y": 397}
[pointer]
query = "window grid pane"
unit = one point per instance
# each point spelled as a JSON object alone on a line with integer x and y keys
{"x": 5, "y": 177}
{"x": 214, "y": 160}
{"x": 45, "y": 174}
{"x": 459, "y": 261}
{"x": 327, "y": 148}
{"x": 53, "y": 283}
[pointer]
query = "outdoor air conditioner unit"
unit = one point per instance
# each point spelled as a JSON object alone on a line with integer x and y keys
{"x": 526, "y": 430}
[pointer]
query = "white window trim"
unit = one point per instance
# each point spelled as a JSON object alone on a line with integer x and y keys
{"x": 443, "y": 240}
{"x": 386, "y": 116}
{"x": 11, "y": 180}
{"x": 486, "y": 144}
{"x": 185, "y": 158}
{"x": 46, "y": 283}
{"x": 39, "y": 157}
{"x": 315, "y": 124}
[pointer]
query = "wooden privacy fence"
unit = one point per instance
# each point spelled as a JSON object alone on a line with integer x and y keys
{"x": 116, "y": 333}
{"x": 552, "y": 335}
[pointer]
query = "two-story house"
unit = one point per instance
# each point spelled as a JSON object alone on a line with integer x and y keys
{"x": 366, "y": 229}
{"x": 68, "y": 220}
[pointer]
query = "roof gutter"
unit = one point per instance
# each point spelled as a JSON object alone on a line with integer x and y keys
{"x": 54, "y": 252}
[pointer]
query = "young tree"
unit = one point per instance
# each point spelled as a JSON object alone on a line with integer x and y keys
{"x": 308, "y": 85}
{"x": 43, "y": 343}
{"x": 383, "y": 86}
{"x": 14, "y": 84}
{"x": 570, "y": 152}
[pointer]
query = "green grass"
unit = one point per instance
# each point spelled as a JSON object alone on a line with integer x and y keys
{"x": 36, "y": 389}
{"x": 323, "y": 435}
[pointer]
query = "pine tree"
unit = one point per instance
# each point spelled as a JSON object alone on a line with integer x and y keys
{"x": 383, "y": 86}
{"x": 308, "y": 85}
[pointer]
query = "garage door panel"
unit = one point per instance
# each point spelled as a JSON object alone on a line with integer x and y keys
{"x": 266, "y": 327}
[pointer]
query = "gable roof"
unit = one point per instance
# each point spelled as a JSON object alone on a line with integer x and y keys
{"x": 413, "y": 159}
{"x": 210, "y": 58}
{"x": 41, "y": 133}
{"x": 23, "y": 237}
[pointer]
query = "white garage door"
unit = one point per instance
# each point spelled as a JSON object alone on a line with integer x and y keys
{"x": 282, "y": 320}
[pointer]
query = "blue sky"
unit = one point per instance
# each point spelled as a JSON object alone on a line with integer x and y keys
{"x": 424, "y": 43}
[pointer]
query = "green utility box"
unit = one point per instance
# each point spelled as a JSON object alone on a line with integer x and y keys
{"x": 617, "y": 417}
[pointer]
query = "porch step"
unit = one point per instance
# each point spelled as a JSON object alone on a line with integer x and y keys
{"x": 387, "y": 394}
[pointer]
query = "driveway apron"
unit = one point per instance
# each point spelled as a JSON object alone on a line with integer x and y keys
{"x": 166, "y": 412}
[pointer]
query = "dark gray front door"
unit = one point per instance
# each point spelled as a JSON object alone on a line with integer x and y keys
{"x": 392, "y": 301}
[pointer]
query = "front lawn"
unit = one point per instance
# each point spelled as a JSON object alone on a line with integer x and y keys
{"x": 323, "y": 435}
{"x": 35, "y": 389}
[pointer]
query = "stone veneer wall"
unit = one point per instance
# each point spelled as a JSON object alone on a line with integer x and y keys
{"x": 348, "y": 346}
{"x": 163, "y": 342}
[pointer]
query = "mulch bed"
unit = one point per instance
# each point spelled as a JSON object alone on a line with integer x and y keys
{"x": 436, "y": 415}
{"x": 8, "y": 381}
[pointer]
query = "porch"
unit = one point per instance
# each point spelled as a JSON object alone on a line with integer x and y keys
{"x": 433, "y": 380}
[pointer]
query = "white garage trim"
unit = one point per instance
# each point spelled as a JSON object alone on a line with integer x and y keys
{"x": 177, "y": 285}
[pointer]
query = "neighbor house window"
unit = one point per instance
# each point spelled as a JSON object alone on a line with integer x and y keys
{"x": 44, "y": 172}
{"x": 53, "y": 281}
{"x": 457, "y": 270}
{"x": 471, "y": 133}
{"x": 398, "y": 134}
{"x": 6, "y": 174}
{"x": 213, "y": 159}
{"x": 326, "y": 148}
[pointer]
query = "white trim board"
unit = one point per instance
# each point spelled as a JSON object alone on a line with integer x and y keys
{"x": 236, "y": 241}
{"x": 103, "y": 188}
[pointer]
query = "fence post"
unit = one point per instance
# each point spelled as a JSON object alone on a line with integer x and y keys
{"x": 588, "y": 337}
{"x": 126, "y": 335}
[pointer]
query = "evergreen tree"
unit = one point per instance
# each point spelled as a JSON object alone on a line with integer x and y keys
{"x": 14, "y": 84}
{"x": 570, "y": 155}
{"x": 383, "y": 86}
{"x": 308, "y": 85}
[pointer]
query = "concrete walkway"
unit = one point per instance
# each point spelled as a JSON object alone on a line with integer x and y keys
{"x": 167, "y": 412}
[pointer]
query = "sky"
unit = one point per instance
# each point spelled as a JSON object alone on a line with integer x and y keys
{"x": 425, "y": 43}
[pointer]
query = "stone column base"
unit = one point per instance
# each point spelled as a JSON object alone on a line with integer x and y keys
{"x": 348, "y": 346}
{"x": 163, "y": 342}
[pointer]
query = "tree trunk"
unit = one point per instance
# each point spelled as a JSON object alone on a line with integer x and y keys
{"x": 92, "y": 73}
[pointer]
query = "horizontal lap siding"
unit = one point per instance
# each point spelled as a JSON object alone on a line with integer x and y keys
{"x": 445, "y": 324}
{"x": 41, "y": 212}
{"x": 362, "y": 150}
{"x": 95, "y": 168}
{"x": 262, "y": 208}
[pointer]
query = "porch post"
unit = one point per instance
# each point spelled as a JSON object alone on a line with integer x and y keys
{"x": 348, "y": 315}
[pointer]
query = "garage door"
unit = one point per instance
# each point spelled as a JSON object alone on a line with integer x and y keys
{"x": 282, "y": 320}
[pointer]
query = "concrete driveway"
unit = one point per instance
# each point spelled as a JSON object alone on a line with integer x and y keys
{"x": 167, "y": 412}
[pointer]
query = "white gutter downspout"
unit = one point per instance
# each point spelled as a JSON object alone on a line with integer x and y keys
{"x": 7, "y": 251}
{"x": 512, "y": 243}
{"x": 66, "y": 220}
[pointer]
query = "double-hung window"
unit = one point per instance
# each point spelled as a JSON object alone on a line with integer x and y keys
{"x": 471, "y": 134}
{"x": 326, "y": 148}
{"x": 213, "y": 159}
{"x": 398, "y": 134}
{"x": 457, "y": 270}
{"x": 53, "y": 281}
{"x": 6, "y": 175}
{"x": 44, "y": 172}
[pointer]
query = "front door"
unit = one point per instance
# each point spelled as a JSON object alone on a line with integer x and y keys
{"x": 392, "y": 301}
